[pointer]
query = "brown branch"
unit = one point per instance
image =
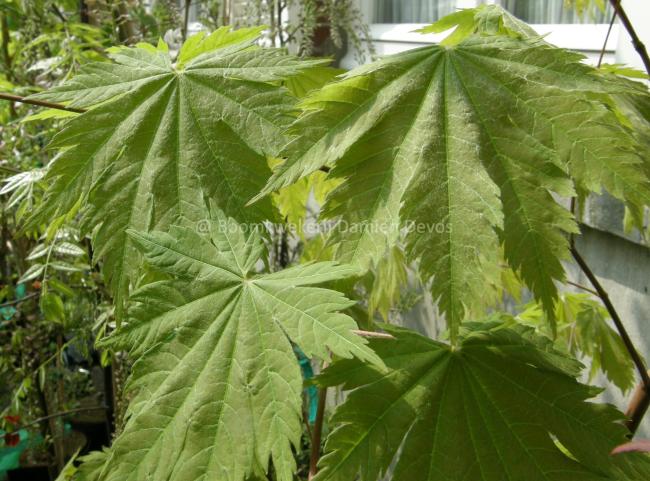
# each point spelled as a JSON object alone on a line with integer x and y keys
{"x": 636, "y": 41}
{"x": 225, "y": 19}
{"x": 602, "y": 293}
{"x": 18, "y": 301}
{"x": 39, "y": 103}
{"x": 7, "y": 58}
{"x": 281, "y": 6}
{"x": 317, "y": 433}
{"x": 580, "y": 286}
{"x": 186, "y": 18}
{"x": 59, "y": 14}
{"x": 629, "y": 345}
{"x": 637, "y": 407}
{"x": 641, "y": 398}
{"x": 609, "y": 31}
{"x": 58, "y": 415}
{"x": 5, "y": 45}
{"x": 122, "y": 20}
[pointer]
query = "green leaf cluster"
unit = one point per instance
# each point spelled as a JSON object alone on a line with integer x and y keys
{"x": 451, "y": 159}
{"x": 503, "y": 404}
{"x": 469, "y": 147}
{"x": 216, "y": 386}
{"x": 165, "y": 136}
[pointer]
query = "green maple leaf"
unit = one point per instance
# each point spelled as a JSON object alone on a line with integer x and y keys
{"x": 465, "y": 145}
{"x": 484, "y": 19}
{"x": 503, "y": 405}
{"x": 216, "y": 385}
{"x": 161, "y": 136}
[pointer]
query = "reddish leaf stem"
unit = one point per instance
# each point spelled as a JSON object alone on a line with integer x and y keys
{"x": 636, "y": 41}
{"x": 317, "y": 433}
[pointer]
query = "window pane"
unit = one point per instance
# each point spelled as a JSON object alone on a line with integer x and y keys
{"x": 554, "y": 11}
{"x": 411, "y": 11}
{"x": 531, "y": 11}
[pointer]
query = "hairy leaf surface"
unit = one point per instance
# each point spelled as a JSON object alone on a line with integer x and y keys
{"x": 502, "y": 406}
{"x": 217, "y": 387}
{"x": 464, "y": 145}
{"x": 160, "y": 137}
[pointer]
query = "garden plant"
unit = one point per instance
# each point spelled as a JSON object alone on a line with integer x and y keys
{"x": 253, "y": 214}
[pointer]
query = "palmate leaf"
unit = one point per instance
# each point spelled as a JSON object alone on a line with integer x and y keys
{"x": 216, "y": 385}
{"x": 464, "y": 145}
{"x": 502, "y": 406}
{"x": 161, "y": 136}
{"x": 486, "y": 19}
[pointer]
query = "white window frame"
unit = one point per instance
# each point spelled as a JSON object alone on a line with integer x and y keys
{"x": 574, "y": 36}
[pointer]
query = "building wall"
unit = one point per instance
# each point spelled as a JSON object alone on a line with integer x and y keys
{"x": 585, "y": 38}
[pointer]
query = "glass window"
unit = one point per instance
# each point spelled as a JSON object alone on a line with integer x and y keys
{"x": 531, "y": 11}
{"x": 554, "y": 11}
{"x": 411, "y": 11}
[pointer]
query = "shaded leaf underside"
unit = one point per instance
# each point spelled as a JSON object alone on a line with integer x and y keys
{"x": 465, "y": 146}
{"x": 159, "y": 140}
{"x": 217, "y": 387}
{"x": 503, "y": 406}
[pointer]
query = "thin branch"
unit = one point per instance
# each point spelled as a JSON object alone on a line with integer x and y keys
{"x": 641, "y": 398}
{"x": 40, "y": 103}
{"x": 584, "y": 288}
{"x": 272, "y": 20}
{"x": 609, "y": 31}
{"x": 22, "y": 299}
{"x": 58, "y": 415}
{"x": 225, "y": 19}
{"x": 629, "y": 345}
{"x": 280, "y": 26}
{"x": 6, "y": 38}
{"x": 8, "y": 59}
{"x": 186, "y": 18}
{"x": 636, "y": 41}
{"x": 59, "y": 14}
{"x": 637, "y": 407}
{"x": 317, "y": 433}
{"x": 124, "y": 23}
